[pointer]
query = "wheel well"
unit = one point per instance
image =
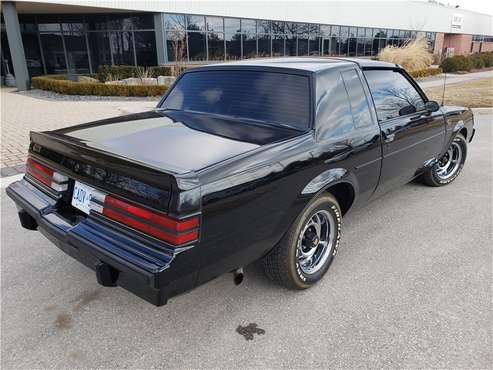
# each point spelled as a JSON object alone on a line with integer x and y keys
{"x": 463, "y": 131}
{"x": 344, "y": 193}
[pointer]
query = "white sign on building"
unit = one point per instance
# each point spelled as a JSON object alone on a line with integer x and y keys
{"x": 457, "y": 21}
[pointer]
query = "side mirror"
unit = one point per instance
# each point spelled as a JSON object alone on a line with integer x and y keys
{"x": 432, "y": 106}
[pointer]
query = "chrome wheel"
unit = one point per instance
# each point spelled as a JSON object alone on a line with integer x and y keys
{"x": 450, "y": 162}
{"x": 315, "y": 242}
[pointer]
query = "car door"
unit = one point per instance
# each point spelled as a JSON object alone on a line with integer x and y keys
{"x": 411, "y": 135}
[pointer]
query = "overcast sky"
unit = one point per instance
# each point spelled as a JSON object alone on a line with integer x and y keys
{"x": 482, "y": 6}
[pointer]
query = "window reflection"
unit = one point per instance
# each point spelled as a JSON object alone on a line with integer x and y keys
{"x": 333, "y": 112}
{"x": 121, "y": 46}
{"x": 145, "y": 48}
{"x": 176, "y": 46}
{"x": 393, "y": 94}
{"x": 111, "y": 38}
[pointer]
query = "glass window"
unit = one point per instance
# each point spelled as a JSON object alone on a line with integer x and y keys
{"x": 249, "y": 45}
{"x": 342, "y": 41}
{"x": 31, "y": 46}
{"x": 393, "y": 94}
{"x": 96, "y": 22}
{"x": 215, "y": 41}
{"x": 303, "y": 36}
{"x": 291, "y": 39}
{"x": 99, "y": 44}
{"x": 249, "y": 26}
{"x": 325, "y": 31}
{"x": 75, "y": 44}
{"x": 48, "y": 24}
{"x": 274, "y": 98}
{"x": 195, "y": 23}
{"x": 315, "y": 40}
{"x": 263, "y": 26}
{"x": 176, "y": 46}
{"x": 174, "y": 22}
{"x": 121, "y": 45}
{"x": 352, "y": 46}
{"x": 357, "y": 98}
{"x": 121, "y": 22}
{"x": 264, "y": 45}
{"x": 278, "y": 27}
{"x": 233, "y": 46}
{"x": 232, "y": 25}
{"x": 143, "y": 21}
{"x": 360, "y": 47}
{"x": 333, "y": 112}
{"x": 145, "y": 48}
{"x": 196, "y": 46}
{"x": 54, "y": 56}
{"x": 215, "y": 24}
{"x": 278, "y": 45}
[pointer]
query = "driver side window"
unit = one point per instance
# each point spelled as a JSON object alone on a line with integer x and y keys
{"x": 393, "y": 94}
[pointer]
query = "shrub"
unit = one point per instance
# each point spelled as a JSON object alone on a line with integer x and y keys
{"x": 487, "y": 59}
{"x": 159, "y": 71}
{"x": 426, "y": 72}
{"x": 120, "y": 72}
{"x": 412, "y": 56}
{"x": 456, "y": 63}
{"x": 61, "y": 85}
{"x": 476, "y": 61}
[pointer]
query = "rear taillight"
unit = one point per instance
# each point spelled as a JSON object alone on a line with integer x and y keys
{"x": 46, "y": 175}
{"x": 175, "y": 232}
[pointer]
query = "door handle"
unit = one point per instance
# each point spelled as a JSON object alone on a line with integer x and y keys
{"x": 388, "y": 138}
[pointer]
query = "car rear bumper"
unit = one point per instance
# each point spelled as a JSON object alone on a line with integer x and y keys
{"x": 116, "y": 256}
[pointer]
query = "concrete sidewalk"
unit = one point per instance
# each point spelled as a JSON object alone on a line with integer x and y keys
{"x": 25, "y": 112}
{"x": 453, "y": 78}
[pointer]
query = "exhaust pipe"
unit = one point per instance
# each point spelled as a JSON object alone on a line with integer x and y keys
{"x": 238, "y": 276}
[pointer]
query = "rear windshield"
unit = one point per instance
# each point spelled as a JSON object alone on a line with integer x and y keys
{"x": 270, "y": 97}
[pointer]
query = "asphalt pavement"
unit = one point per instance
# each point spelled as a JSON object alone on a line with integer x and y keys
{"x": 411, "y": 287}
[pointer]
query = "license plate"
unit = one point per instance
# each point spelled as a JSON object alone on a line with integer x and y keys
{"x": 83, "y": 198}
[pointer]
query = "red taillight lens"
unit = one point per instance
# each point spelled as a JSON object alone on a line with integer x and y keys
{"x": 46, "y": 175}
{"x": 160, "y": 226}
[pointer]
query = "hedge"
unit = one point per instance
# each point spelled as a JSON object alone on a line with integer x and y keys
{"x": 426, "y": 72}
{"x": 59, "y": 84}
{"x": 120, "y": 72}
{"x": 466, "y": 63}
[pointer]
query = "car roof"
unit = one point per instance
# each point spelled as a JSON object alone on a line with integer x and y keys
{"x": 305, "y": 63}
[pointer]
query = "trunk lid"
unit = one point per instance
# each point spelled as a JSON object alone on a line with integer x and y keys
{"x": 139, "y": 156}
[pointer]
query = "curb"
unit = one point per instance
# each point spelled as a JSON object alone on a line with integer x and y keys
{"x": 13, "y": 170}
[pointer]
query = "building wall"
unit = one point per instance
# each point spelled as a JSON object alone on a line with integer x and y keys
{"x": 410, "y": 15}
{"x": 460, "y": 43}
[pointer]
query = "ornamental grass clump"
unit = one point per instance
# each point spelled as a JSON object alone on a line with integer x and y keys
{"x": 413, "y": 56}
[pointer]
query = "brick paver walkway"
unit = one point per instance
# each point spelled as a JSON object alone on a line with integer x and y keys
{"x": 23, "y": 113}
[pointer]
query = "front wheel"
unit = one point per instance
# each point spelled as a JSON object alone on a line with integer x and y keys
{"x": 450, "y": 164}
{"x": 305, "y": 253}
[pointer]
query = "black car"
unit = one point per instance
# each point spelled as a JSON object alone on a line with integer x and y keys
{"x": 238, "y": 162}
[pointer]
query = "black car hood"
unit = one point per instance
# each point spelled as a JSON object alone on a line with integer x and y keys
{"x": 174, "y": 139}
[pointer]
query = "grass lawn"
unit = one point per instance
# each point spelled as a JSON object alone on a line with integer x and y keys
{"x": 473, "y": 94}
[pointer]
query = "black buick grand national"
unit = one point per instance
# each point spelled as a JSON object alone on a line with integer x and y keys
{"x": 238, "y": 162}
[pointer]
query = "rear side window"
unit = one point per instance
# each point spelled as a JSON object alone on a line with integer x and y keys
{"x": 357, "y": 98}
{"x": 333, "y": 111}
{"x": 275, "y": 98}
{"x": 393, "y": 94}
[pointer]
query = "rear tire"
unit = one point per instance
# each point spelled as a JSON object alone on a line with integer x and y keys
{"x": 305, "y": 253}
{"x": 449, "y": 166}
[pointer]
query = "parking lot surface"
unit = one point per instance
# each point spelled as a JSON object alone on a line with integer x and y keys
{"x": 410, "y": 287}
